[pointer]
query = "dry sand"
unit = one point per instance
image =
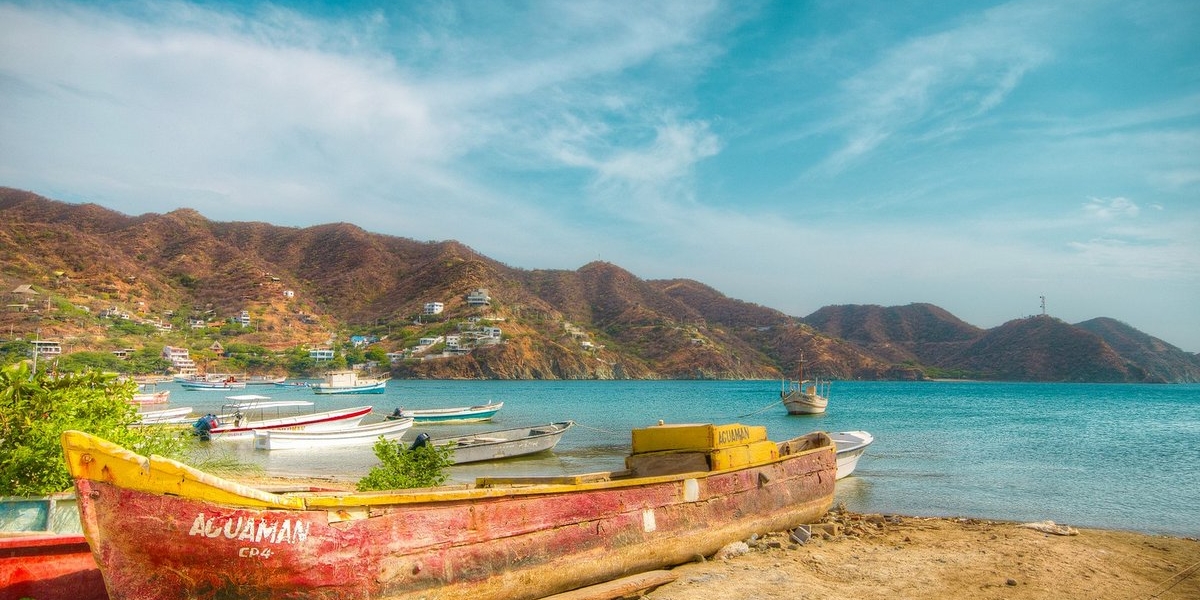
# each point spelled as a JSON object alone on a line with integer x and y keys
{"x": 873, "y": 556}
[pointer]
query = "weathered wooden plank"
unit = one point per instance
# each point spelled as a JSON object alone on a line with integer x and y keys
{"x": 619, "y": 588}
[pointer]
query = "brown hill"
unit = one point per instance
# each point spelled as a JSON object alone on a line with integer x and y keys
{"x": 914, "y": 334}
{"x": 1155, "y": 359}
{"x": 1044, "y": 349}
{"x": 315, "y": 286}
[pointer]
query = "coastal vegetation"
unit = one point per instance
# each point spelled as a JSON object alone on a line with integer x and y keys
{"x": 404, "y": 468}
{"x": 36, "y": 407}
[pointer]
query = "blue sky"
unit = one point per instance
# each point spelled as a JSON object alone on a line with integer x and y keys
{"x": 974, "y": 155}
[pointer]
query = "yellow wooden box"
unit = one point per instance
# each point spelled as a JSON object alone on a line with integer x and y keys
{"x": 740, "y": 456}
{"x": 705, "y": 437}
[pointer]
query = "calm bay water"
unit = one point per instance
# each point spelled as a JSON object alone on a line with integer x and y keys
{"x": 1090, "y": 455}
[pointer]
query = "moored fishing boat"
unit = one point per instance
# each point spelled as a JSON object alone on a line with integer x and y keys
{"x": 804, "y": 397}
{"x": 348, "y": 382}
{"x": 504, "y": 443}
{"x": 850, "y": 446}
{"x": 229, "y": 382}
{"x": 688, "y": 490}
{"x": 361, "y": 435}
{"x": 459, "y": 414}
{"x": 239, "y": 419}
{"x": 151, "y": 397}
{"x": 265, "y": 379}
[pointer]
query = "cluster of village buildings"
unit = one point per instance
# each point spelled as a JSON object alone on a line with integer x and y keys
{"x": 471, "y": 335}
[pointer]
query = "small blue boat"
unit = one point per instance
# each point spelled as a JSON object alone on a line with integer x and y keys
{"x": 462, "y": 414}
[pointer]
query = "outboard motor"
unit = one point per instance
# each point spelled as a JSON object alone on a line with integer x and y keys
{"x": 421, "y": 441}
{"x": 204, "y": 425}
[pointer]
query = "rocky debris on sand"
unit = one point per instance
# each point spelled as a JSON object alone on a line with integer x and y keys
{"x": 1050, "y": 527}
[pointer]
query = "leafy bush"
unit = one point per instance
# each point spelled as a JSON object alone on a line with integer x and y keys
{"x": 36, "y": 408}
{"x": 404, "y": 468}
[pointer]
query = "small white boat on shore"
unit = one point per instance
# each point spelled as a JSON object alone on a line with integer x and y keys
{"x": 850, "y": 446}
{"x": 505, "y": 443}
{"x": 178, "y": 415}
{"x": 362, "y": 435}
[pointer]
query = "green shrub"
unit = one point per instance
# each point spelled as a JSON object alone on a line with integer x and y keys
{"x": 36, "y": 408}
{"x": 403, "y": 468}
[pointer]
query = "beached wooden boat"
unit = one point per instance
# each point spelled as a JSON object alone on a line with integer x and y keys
{"x": 49, "y": 566}
{"x": 804, "y": 397}
{"x": 164, "y": 530}
{"x": 459, "y": 414}
{"x": 52, "y": 513}
{"x": 348, "y": 382}
{"x": 504, "y": 443}
{"x": 361, "y": 435}
{"x": 850, "y": 446}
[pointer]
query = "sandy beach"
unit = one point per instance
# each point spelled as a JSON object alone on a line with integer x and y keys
{"x": 877, "y": 556}
{"x": 854, "y": 555}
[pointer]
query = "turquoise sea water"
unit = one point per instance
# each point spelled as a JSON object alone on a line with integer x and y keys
{"x": 1091, "y": 455}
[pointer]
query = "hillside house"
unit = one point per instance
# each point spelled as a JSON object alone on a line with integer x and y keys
{"x": 244, "y": 318}
{"x": 434, "y": 308}
{"x": 180, "y": 359}
{"x": 113, "y": 313}
{"x": 362, "y": 340}
{"x": 321, "y": 354}
{"x": 23, "y": 293}
{"x": 479, "y": 297}
{"x": 46, "y": 348}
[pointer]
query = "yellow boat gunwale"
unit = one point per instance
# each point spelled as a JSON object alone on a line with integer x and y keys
{"x": 93, "y": 458}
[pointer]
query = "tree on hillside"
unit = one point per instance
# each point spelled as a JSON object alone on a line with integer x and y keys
{"x": 35, "y": 408}
{"x": 77, "y": 362}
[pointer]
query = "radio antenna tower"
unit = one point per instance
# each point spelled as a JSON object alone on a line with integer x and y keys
{"x": 1043, "y": 305}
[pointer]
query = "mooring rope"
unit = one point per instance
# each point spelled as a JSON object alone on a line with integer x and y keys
{"x": 578, "y": 424}
{"x": 751, "y": 414}
{"x": 1172, "y": 582}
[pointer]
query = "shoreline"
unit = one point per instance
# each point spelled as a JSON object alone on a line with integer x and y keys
{"x": 852, "y": 554}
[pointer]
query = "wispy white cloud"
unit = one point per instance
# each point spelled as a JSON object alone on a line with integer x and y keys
{"x": 939, "y": 84}
{"x": 1110, "y": 208}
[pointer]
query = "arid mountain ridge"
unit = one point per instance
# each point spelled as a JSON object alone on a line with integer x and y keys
{"x": 599, "y": 321}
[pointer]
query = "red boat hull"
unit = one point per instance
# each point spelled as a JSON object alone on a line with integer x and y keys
{"x": 469, "y": 542}
{"x": 49, "y": 567}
